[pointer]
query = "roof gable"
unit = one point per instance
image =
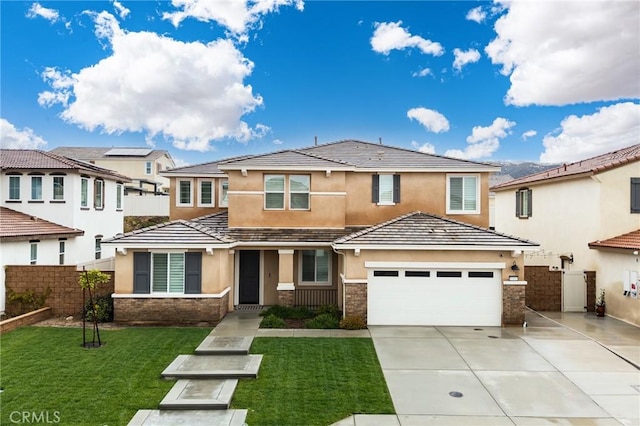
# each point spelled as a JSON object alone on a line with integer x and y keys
{"x": 590, "y": 166}
{"x": 177, "y": 232}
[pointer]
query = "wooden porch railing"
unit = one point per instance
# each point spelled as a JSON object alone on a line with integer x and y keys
{"x": 316, "y": 297}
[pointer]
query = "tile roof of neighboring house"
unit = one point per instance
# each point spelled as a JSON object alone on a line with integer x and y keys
{"x": 98, "y": 153}
{"x": 589, "y": 166}
{"x": 16, "y": 226}
{"x": 176, "y": 232}
{"x": 630, "y": 240}
{"x": 20, "y": 159}
{"x": 425, "y": 230}
{"x": 351, "y": 155}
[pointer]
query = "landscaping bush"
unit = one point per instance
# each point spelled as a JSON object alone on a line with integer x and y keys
{"x": 322, "y": 321}
{"x": 272, "y": 321}
{"x": 353, "y": 323}
{"x": 104, "y": 309}
{"x": 301, "y": 312}
{"x": 297, "y": 312}
{"x": 329, "y": 309}
{"x": 19, "y": 303}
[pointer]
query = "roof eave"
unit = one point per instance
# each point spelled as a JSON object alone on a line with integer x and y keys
{"x": 52, "y": 236}
{"x": 515, "y": 185}
{"x": 448, "y": 247}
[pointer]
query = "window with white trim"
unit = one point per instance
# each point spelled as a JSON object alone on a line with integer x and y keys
{"x": 98, "y": 246}
{"x": 98, "y": 194}
{"x": 524, "y": 205}
{"x": 184, "y": 193}
{"x": 206, "y": 193}
{"x": 385, "y": 189}
{"x": 224, "y": 190}
{"x": 118, "y": 196}
{"x": 84, "y": 192}
{"x": 33, "y": 252}
{"x": 170, "y": 272}
{"x": 315, "y": 267}
{"x": 299, "y": 187}
{"x": 463, "y": 194}
{"x": 274, "y": 192}
{"x": 58, "y": 188}
{"x": 36, "y": 188}
{"x": 148, "y": 167}
{"x": 14, "y": 188}
{"x": 167, "y": 272}
{"x": 62, "y": 246}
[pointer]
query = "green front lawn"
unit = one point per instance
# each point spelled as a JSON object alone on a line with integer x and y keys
{"x": 313, "y": 381}
{"x": 46, "y": 370}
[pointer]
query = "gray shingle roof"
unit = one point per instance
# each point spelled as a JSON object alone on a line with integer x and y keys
{"x": 422, "y": 229}
{"x": 288, "y": 158}
{"x": 98, "y": 153}
{"x": 177, "y": 232}
{"x": 21, "y": 159}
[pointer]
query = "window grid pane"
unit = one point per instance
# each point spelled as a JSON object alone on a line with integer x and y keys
{"x": 308, "y": 265}
{"x": 322, "y": 266}
{"x": 61, "y": 255}
{"x": 58, "y": 188}
{"x": 34, "y": 253}
{"x": 386, "y": 189}
{"x": 160, "y": 269}
{"x": 185, "y": 192}
{"x": 224, "y": 197}
{"x": 84, "y": 192}
{"x": 206, "y": 192}
{"x": 14, "y": 187}
{"x": 36, "y": 187}
{"x": 118, "y": 196}
{"x": 97, "y": 197}
{"x": 455, "y": 193}
{"x": 470, "y": 193}
{"x": 176, "y": 272}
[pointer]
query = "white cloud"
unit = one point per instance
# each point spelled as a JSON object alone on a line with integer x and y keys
{"x": 37, "y": 9}
{"x": 422, "y": 73}
{"x": 237, "y": 16}
{"x": 390, "y": 36}
{"x": 189, "y": 93}
{"x": 484, "y": 141}
{"x": 612, "y": 127}
{"x": 464, "y": 57}
{"x": 528, "y": 134}
{"x": 431, "y": 119}
{"x": 567, "y": 52}
{"x": 12, "y": 138}
{"x": 476, "y": 14}
{"x": 426, "y": 147}
{"x": 277, "y": 142}
{"x": 123, "y": 12}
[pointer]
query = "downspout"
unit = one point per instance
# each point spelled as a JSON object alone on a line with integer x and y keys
{"x": 344, "y": 264}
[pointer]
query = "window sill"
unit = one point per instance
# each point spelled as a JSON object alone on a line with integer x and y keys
{"x": 98, "y": 209}
{"x": 57, "y": 201}
{"x": 35, "y": 201}
{"x": 208, "y": 206}
{"x": 119, "y": 210}
{"x": 85, "y": 208}
{"x": 13, "y": 201}
{"x": 386, "y": 204}
{"x": 184, "y": 205}
{"x": 474, "y": 212}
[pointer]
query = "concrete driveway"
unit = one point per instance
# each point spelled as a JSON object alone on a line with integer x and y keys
{"x": 540, "y": 375}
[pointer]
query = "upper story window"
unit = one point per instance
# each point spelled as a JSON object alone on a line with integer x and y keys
{"x": 524, "y": 203}
{"x": 14, "y": 188}
{"x": 185, "y": 193}
{"x": 118, "y": 196}
{"x": 36, "y": 188}
{"x": 148, "y": 168}
{"x": 84, "y": 192}
{"x": 274, "y": 192}
{"x": 299, "y": 187}
{"x": 315, "y": 267}
{"x": 33, "y": 258}
{"x": 635, "y": 195}
{"x": 385, "y": 189}
{"x": 98, "y": 194}
{"x": 167, "y": 272}
{"x": 205, "y": 193}
{"x": 58, "y": 188}
{"x": 224, "y": 196}
{"x": 463, "y": 194}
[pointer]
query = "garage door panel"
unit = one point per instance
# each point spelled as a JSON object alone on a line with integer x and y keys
{"x": 434, "y": 301}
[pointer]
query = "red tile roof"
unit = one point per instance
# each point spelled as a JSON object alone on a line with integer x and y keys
{"x": 16, "y": 226}
{"x": 630, "y": 240}
{"x": 589, "y": 166}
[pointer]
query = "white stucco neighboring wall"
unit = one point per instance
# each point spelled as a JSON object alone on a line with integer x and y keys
{"x": 610, "y": 277}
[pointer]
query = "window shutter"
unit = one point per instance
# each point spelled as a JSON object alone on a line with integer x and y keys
{"x": 530, "y": 203}
{"x": 635, "y": 195}
{"x": 141, "y": 272}
{"x": 396, "y": 188}
{"x": 375, "y": 188}
{"x": 193, "y": 273}
{"x": 518, "y": 195}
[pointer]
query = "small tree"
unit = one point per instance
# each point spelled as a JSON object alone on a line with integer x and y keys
{"x": 90, "y": 281}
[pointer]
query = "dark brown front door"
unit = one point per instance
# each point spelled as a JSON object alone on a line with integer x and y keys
{"x": 249, "y": 279}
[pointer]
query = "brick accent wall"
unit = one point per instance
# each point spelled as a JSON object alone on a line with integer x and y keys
{"x": 544, "y": 288}
{"x": 66, "y": 294}
{"x": 513, "y": 299}
{"x": 591, "y": 291}
{"x": 286, "y": 297}
{"x": 355, "y": 300}
{"x": 170, "y": 311}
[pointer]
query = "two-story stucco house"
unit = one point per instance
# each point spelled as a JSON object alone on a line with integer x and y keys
{"x": 575, "y": 212}
{"x": 392, "y": 235}
{"x": 56, "y": 210}
{"x": 143, "y": 165}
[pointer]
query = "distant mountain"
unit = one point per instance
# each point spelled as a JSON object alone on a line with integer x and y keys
{"x": 520, "y": 169}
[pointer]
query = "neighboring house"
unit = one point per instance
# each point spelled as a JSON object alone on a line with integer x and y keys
{"x": 392, "y": 235}
{"x": 567, "y": 208}
{"x": 30, "y": 240}
{"x": 143, "y": 165}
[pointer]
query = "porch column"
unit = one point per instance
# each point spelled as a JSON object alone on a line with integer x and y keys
{"x": 286, "y": 287}
{"x": 513, "y": 302}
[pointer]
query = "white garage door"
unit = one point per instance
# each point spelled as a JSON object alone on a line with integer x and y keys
{"x": 466, "y": 297}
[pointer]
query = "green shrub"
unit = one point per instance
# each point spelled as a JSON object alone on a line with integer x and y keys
{"x": 272, "y": 321}
{"x": 322, "y": 321}
{"x": 277, "y": 310}
{"x": 297, "y": 312}
{"x": 26, "y": 301}
{"x": 353, "y": 323}
{"x": 104, "y": 309}
{"x": 329, "y": 309}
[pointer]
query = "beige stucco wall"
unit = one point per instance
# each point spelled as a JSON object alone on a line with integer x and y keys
{"x": 180, "y": 212}
{"x": 135, "y": 168}
{"x": 610, "y": 277}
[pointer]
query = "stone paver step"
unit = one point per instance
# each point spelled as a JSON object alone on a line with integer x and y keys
{"x": 224, "y": 345}
{"x": 189, "y": 417}
{"x": 213, "y": 367}
{"x": 200, "y": 394}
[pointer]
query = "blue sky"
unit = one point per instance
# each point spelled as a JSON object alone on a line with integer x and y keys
{"x": 509, "y": 80}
